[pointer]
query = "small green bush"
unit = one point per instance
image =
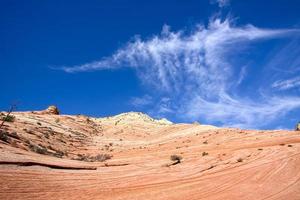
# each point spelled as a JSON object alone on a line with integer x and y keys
{"x": 8, "y": 118}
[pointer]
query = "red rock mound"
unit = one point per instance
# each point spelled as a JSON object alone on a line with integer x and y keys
{"x": 131, "y": 156}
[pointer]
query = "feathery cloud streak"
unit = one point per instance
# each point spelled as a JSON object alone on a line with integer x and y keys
{"x": 221, "y": 3}
{"x": 287, "y": 84}
{"x": 192, "y": 70}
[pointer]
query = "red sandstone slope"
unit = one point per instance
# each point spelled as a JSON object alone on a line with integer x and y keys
{"x": 47, "y": 156}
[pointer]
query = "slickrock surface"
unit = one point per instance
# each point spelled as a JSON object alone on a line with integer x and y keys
{"x": 49, "y": 156}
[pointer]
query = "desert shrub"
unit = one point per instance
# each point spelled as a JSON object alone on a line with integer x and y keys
{"x": 102, "y": 157}
{"x": 8, "y": 118}
{"x": 176, "y": 158}
{"x": 240, "y": 160}
{"x": 39, "y": 123}
{"x": 99, "y": 157}
{"x": 57, "y": 120}
{"x": 4, "y": 137}
{"x": 7, "y": 137}
{"x": 59, "y": 154}
{"x": 81, "y": 157}
{"x": 14, "y": 135}
{"x": 204, "y": 153}
{"x": 38, "y": 149}
{"x": 205, "y": 142}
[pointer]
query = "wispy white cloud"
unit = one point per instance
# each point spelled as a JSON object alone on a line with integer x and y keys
{"x": 287, "y": 84}
{"x": 242, "y": 112}
{"x": 164, "y": 106}
{"x": 242, "y": 75}
{"x": 141, "y": 101}
{"x": 286, "y": 58}
{"x": 221, "y": 3}
{"x": 193, "y": 71}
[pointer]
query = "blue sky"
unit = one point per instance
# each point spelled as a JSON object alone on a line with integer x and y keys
{"x": 227, "y": 63}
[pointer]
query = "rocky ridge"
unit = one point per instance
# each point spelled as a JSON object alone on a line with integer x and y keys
{"x": 47, "y": 155}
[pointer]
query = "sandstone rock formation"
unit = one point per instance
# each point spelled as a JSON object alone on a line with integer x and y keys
{"x": 136, "y": 117}
{"x": 297, "y": 127}
{"x": 52, "y": 110}
{"x": 127, "y": 156}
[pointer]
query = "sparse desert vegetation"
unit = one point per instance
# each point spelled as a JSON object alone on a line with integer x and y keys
{"x": 135, "y": 153}
{"x": 204, "y": 153}
{"x": 8, "y": 118}
{"x": 97, "y": 158}
{"x": 176, "y": 158}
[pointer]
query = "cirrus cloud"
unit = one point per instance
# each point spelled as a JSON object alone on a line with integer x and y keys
{"x": 195, "y": 72}
{"x": 287, "y": 84}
